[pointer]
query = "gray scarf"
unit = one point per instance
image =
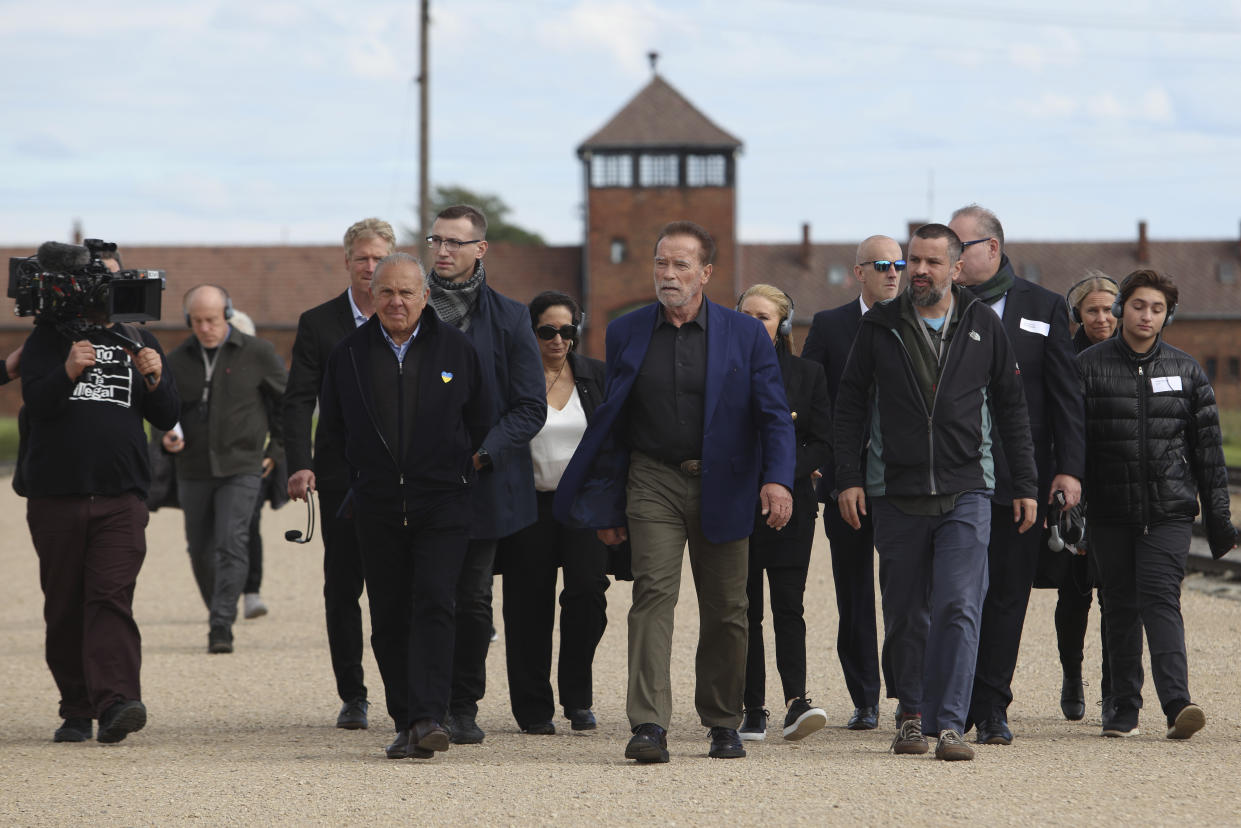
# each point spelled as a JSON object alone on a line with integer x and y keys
{"x": 454, "y": 301}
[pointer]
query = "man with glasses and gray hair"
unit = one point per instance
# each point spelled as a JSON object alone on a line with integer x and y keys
{"x": 878, "y": 269}
{"x": 326, "y": 472}
{"x": 503, "y": 500}
{"x": 1037, "y": 324}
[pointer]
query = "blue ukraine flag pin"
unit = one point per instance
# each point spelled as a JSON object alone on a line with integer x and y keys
{"x": 446, "y": 376}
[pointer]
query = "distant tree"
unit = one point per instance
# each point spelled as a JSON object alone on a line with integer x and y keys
{"x": 493, "y": 207}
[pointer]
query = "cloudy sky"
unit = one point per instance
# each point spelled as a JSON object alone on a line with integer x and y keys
{"x": 268, "y": 122}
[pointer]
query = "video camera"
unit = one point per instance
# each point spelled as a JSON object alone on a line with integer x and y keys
{"x": 70, "y": 285}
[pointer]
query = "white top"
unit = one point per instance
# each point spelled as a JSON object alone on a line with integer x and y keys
{"x": 555, "y": 443}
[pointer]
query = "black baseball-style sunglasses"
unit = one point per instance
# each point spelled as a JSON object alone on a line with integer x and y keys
{"x": 882, "y": 265}
{"x": 296, "y": 536}
{"x": 549, "y": 333}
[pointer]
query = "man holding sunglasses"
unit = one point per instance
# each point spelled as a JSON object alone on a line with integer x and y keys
{"x": 502, "y": 500}
{"x": 878, "y": 269}
{"x": 1037, "y": 323}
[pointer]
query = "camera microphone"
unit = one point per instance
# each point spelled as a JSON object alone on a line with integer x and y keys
{"x": 58, "y": 257}
{"x": 293, "y": 534}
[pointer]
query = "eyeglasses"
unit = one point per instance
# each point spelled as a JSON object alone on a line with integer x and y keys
{"x": 294, "y": 535}
{"x": 882, "y": 265}
{"x": 451, "y": 245}
{"x": 565, "y": 332}
{"x": 974, "y": 241}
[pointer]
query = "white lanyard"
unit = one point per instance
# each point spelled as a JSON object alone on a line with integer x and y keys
{"x": 209, "y": 369}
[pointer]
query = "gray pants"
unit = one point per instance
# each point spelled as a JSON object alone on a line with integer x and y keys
{"x": 663, "y": 512}
{"x": 217, "y": 531}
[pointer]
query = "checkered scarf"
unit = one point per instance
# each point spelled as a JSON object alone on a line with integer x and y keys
{"x": 454, "y": 301}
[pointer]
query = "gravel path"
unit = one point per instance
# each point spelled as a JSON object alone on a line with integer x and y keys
{"x": 248, "y": 738}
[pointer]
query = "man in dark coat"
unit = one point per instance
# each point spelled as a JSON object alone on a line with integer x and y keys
{"x": 1037, "y": 323}
{"x": 408, "y": 394}
{"x": 878, "y": 270}
{"x": 503, "y": 500}
{"x": 318, "y": 332}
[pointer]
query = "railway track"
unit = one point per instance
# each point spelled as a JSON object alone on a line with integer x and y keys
{"x": 1200, "y": 559}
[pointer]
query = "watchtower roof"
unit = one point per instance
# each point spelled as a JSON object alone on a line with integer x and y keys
{"x": 661, "y": 117}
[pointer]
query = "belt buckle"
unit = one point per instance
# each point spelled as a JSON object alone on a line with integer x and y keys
{"x": 693, "y": 468}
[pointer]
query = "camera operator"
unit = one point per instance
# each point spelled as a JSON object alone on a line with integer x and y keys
{"x": 10, "y": 365}
{"x": 85, "y": 471}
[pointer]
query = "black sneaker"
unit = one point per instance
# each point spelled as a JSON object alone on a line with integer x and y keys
{"x": 352, "y": 715}
{"x": 1123, "y": 722}
{"x": 909, "y": 740}
{"x": 464, "y": 730}
{"x": 754, "y": 725}
{"x": 802, "y": 720}
{"x": 220, "y": 640}
{"x": 649, "y": 744}
{"x": 540, "y": 729}
{"x": 725, "y": 744}
{"x": 1188, "y": 721}
{"x": 74, "y": 730}
{"x": 581, "y": 718}
{"x": 120, "y": 720}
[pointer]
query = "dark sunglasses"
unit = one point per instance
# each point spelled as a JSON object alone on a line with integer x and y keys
{"x": 547, "y": 332}
{"x": 293, "y": 534}
{"x": 882, "y": 265}
{"x": 972, "y": 242}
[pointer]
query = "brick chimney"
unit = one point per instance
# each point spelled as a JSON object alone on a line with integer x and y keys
{"x": 805, "y": 244}
{"x": 77, "y": 231}
{"x": 1144, "y": 248}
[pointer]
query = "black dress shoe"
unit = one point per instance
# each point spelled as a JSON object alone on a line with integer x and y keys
{"x": 540, "y": 729}
{"x": 74, "y": 730}
{"x": 725, "y": 744}
{"x": 580, "y": 718}
{"x": 463, "y": 730}
{"x": 402, "y": 749}
{"x": 649, "y": 744}
{"x": 352, "y": 715}
{"x": 120, "y": 720}
{"x": 1073, "y": 698}
{"x": 429, "y": 734}
{"x": 994, "y": 731}
{"x": 864, "y": 718}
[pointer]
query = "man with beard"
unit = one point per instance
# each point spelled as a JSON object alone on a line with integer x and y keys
{"x": 502, "y": 500}
{"x": 1037, "y": 324}
{"x": 934, "y": 356}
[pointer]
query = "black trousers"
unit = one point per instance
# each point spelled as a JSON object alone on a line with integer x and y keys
{"x": 254, "y": 577}
{"x": 411, "y": 580}
{"x": 1140, "y": 574}
{"x": 1011, "y": 560}
{"x": 474, "y": 625}
{"x": 342, "y": 592}
{"x": 529, "y": 561}
{"x": 853, "y": 571}
{"x": 1072, "y": 618}
{"x": 787, "y": 585}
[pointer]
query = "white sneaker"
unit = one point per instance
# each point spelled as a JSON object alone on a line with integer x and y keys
{"x": 254, "y": 606}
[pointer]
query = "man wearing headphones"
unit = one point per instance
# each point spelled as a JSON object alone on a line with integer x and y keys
{"x": 1153, "y": 451}
{"x": 231, "y": 386}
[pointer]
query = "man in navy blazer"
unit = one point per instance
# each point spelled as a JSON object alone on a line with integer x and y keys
{"x": 877, "y": 268}
{"x": 1037, "y": 323}
{"x": 693, "y": 428}
{"x": 503, "y": 501}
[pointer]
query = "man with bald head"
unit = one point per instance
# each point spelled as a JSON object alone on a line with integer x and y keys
{"x": 231, "y": 385}
{"x": 877, "y": 268}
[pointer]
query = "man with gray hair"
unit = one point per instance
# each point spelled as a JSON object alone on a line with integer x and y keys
{"x": 407, "y": 394}
{"x": 318, "y": 332}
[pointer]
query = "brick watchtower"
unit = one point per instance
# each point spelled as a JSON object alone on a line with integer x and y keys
{"x": 658, "y": 160}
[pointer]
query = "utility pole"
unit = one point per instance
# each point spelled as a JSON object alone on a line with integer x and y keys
{"x": 424, "y": 196}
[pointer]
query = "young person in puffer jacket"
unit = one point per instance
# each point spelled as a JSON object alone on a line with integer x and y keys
{"x": 1153, "y": 450}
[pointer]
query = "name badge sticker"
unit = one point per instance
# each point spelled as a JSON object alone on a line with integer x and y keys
{"x": 1162, "y": 385}
{"x": 1035, "y": 326}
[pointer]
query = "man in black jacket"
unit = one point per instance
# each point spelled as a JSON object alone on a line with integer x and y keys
{"x": 932, "y": 381}
{"x": 319, "y": 330}
{"x": 407, "y": 393}
{"x": 878, "y": 269}
{"x": 1153, "y": 450}
{"x": 1037, "y": 324}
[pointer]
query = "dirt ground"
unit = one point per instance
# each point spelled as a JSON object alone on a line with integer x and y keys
{"x": 248, "y": 738}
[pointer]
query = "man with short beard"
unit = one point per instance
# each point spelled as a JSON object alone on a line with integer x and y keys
{"x": 932, "y": 380}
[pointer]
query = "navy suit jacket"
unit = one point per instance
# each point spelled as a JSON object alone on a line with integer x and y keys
{"x": 747, "y": 432}
{"x": 830, "y": 339}
{"x": 1037, "y": 323}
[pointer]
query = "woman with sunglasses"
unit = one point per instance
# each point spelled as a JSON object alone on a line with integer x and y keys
{"x": 785, "y": 554}
{"x": 529, "y": 559}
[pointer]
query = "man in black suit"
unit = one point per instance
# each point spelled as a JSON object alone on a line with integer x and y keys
{"x": 1037, "y": 323}
{"x": 318, "y": 331}
{"x": 878, "y": 269}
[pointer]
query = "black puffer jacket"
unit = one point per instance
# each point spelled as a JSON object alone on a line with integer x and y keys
{"x": 1153, "y": 441}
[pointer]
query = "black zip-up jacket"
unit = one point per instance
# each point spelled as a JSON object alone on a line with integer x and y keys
{"x": 449, "y": 422}
{"x": 946, "y": 450}
{"x": 1153, "y": 442}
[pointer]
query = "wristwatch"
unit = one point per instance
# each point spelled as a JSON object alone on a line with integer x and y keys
{"x": 484, "y": 459}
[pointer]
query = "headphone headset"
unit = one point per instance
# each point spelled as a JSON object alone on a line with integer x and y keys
{"x": 1068, "y": 527}
{"x": 785, "y": 328}
{"x": 1068, "y": 295}
{"x": 1118, "y": 306}
{"x": 228, "y": 302}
